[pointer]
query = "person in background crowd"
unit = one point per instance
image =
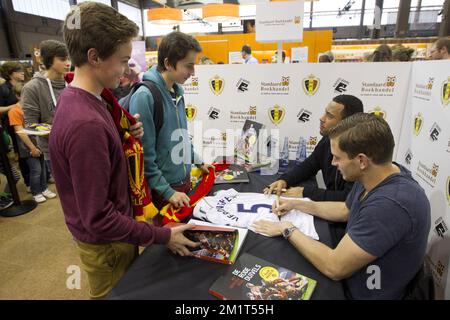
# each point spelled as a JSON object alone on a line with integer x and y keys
{"x": 402, "y": 53}
{"x": 326, "y": 57}
{"x": 13, "y": 73}
{"x": 205, "y": 60}
{"x": 246, "y": 52}
{"x": 275, "y": 57}
{"x": 382, "y": 53}
{"x": 440, "y": 50}
{"x": 41, "y": 93}
{"x": 29, "y": 152}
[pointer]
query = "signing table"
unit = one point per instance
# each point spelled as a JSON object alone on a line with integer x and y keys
{"x": 159, "y": 274}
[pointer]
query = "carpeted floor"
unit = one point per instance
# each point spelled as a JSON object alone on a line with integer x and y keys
{"x": 36, "y": 250}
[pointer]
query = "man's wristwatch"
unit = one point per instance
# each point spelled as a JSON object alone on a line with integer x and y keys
{"x": 288, "y": 232}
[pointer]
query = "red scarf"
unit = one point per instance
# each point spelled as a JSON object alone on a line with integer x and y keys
{"x": 172, "y": 214}
{"x": 141, "y": 199}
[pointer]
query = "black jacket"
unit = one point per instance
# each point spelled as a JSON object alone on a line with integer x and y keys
{"x": 320, "y": 159}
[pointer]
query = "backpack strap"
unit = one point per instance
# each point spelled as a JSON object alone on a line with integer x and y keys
{"x": 158, "y": 109}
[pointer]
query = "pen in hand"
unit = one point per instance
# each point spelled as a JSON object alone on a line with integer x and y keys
{"x": 277, "y": 204}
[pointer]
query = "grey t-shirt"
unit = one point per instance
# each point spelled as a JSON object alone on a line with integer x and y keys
{"x": 392, "y": 223}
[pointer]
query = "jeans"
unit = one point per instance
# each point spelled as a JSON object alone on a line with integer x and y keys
{"x": 24, "y": 170}
{"x": 48, "y": 168}
{"x": 38, "y": 175}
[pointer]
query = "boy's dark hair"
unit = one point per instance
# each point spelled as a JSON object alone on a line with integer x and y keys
{"x": 365, "y": 133}
{"x": 98, "y": 26}
{"x": 51, "y": 49}
{"x": 175, "y": 47}
{"x": 247, "y": 49}
{"x": 351, "y": 104}
{"x": 9, "y": 67}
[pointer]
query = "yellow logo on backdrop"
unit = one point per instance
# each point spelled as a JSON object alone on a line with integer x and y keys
{"x": 310, "y": 84}
{"x": 435, "y": 170}
{"x": 390, "y": 82}
{"x": 378, "y": 112}
{"x": 312, "y": 141}
{"x": 430, "y": 83}
{"x": 418, "y": 122}
{"x": 297, "y": 20}
{"x": 191, "y": 112}
{"x": 217, "y": 84}
{"x": 252, "y": 110}
{"x": 194, "y": 81}
{"x": 445, "y": 92}
{"x": 276, "y": 114}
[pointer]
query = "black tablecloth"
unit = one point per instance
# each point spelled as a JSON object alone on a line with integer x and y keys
{"x": 159, "y": 274}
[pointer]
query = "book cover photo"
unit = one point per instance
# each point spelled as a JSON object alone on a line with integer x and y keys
{"x": 246, "y": 148}
{"x": 252, "y": 278}
{"x": 217, "y": 244}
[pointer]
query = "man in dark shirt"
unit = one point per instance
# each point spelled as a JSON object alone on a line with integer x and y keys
{"x": 387, "y": 211}
{"x": 339, "y": 108}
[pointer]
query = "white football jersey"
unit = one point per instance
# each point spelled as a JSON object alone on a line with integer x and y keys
{"x": 241, "y": 209}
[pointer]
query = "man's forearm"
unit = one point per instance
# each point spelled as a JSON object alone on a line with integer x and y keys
{"x": 327, "y": 210}
{"x": 320, "y": 255}
{"x": 5, "y": 109}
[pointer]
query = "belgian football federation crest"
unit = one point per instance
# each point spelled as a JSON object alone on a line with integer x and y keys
{"x": 418, "y": 123}
{"x": 217, "y": 84}
{"x": 276, "y": 114}
{"x": 310, "y": 85}
{"x": 378, "y": 112}
{"x": 445, "y": 92}
{"x": 191, "y": 112}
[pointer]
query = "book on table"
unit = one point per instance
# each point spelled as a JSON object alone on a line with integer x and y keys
{"x": 252, "y": 278}
{"x": 220, "y": 244}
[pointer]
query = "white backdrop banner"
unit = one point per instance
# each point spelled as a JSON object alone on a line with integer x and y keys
{"x": 279, "y": 21}
{"x": 425, "y": 150}
{"x": 289, "y": 99}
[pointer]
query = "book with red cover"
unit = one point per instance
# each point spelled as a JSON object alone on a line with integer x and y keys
{"x": 218, "y": 244}
{"x": 252, "y": 278}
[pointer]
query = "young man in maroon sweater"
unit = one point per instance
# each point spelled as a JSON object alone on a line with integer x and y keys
{"x": 87, "y": 155}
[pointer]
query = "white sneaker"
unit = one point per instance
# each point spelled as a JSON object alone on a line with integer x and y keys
{"x": 39, "y": 198}
{"x": 48, "y": 194}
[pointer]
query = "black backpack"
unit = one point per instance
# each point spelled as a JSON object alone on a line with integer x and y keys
{"x": 158, "y": 114}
